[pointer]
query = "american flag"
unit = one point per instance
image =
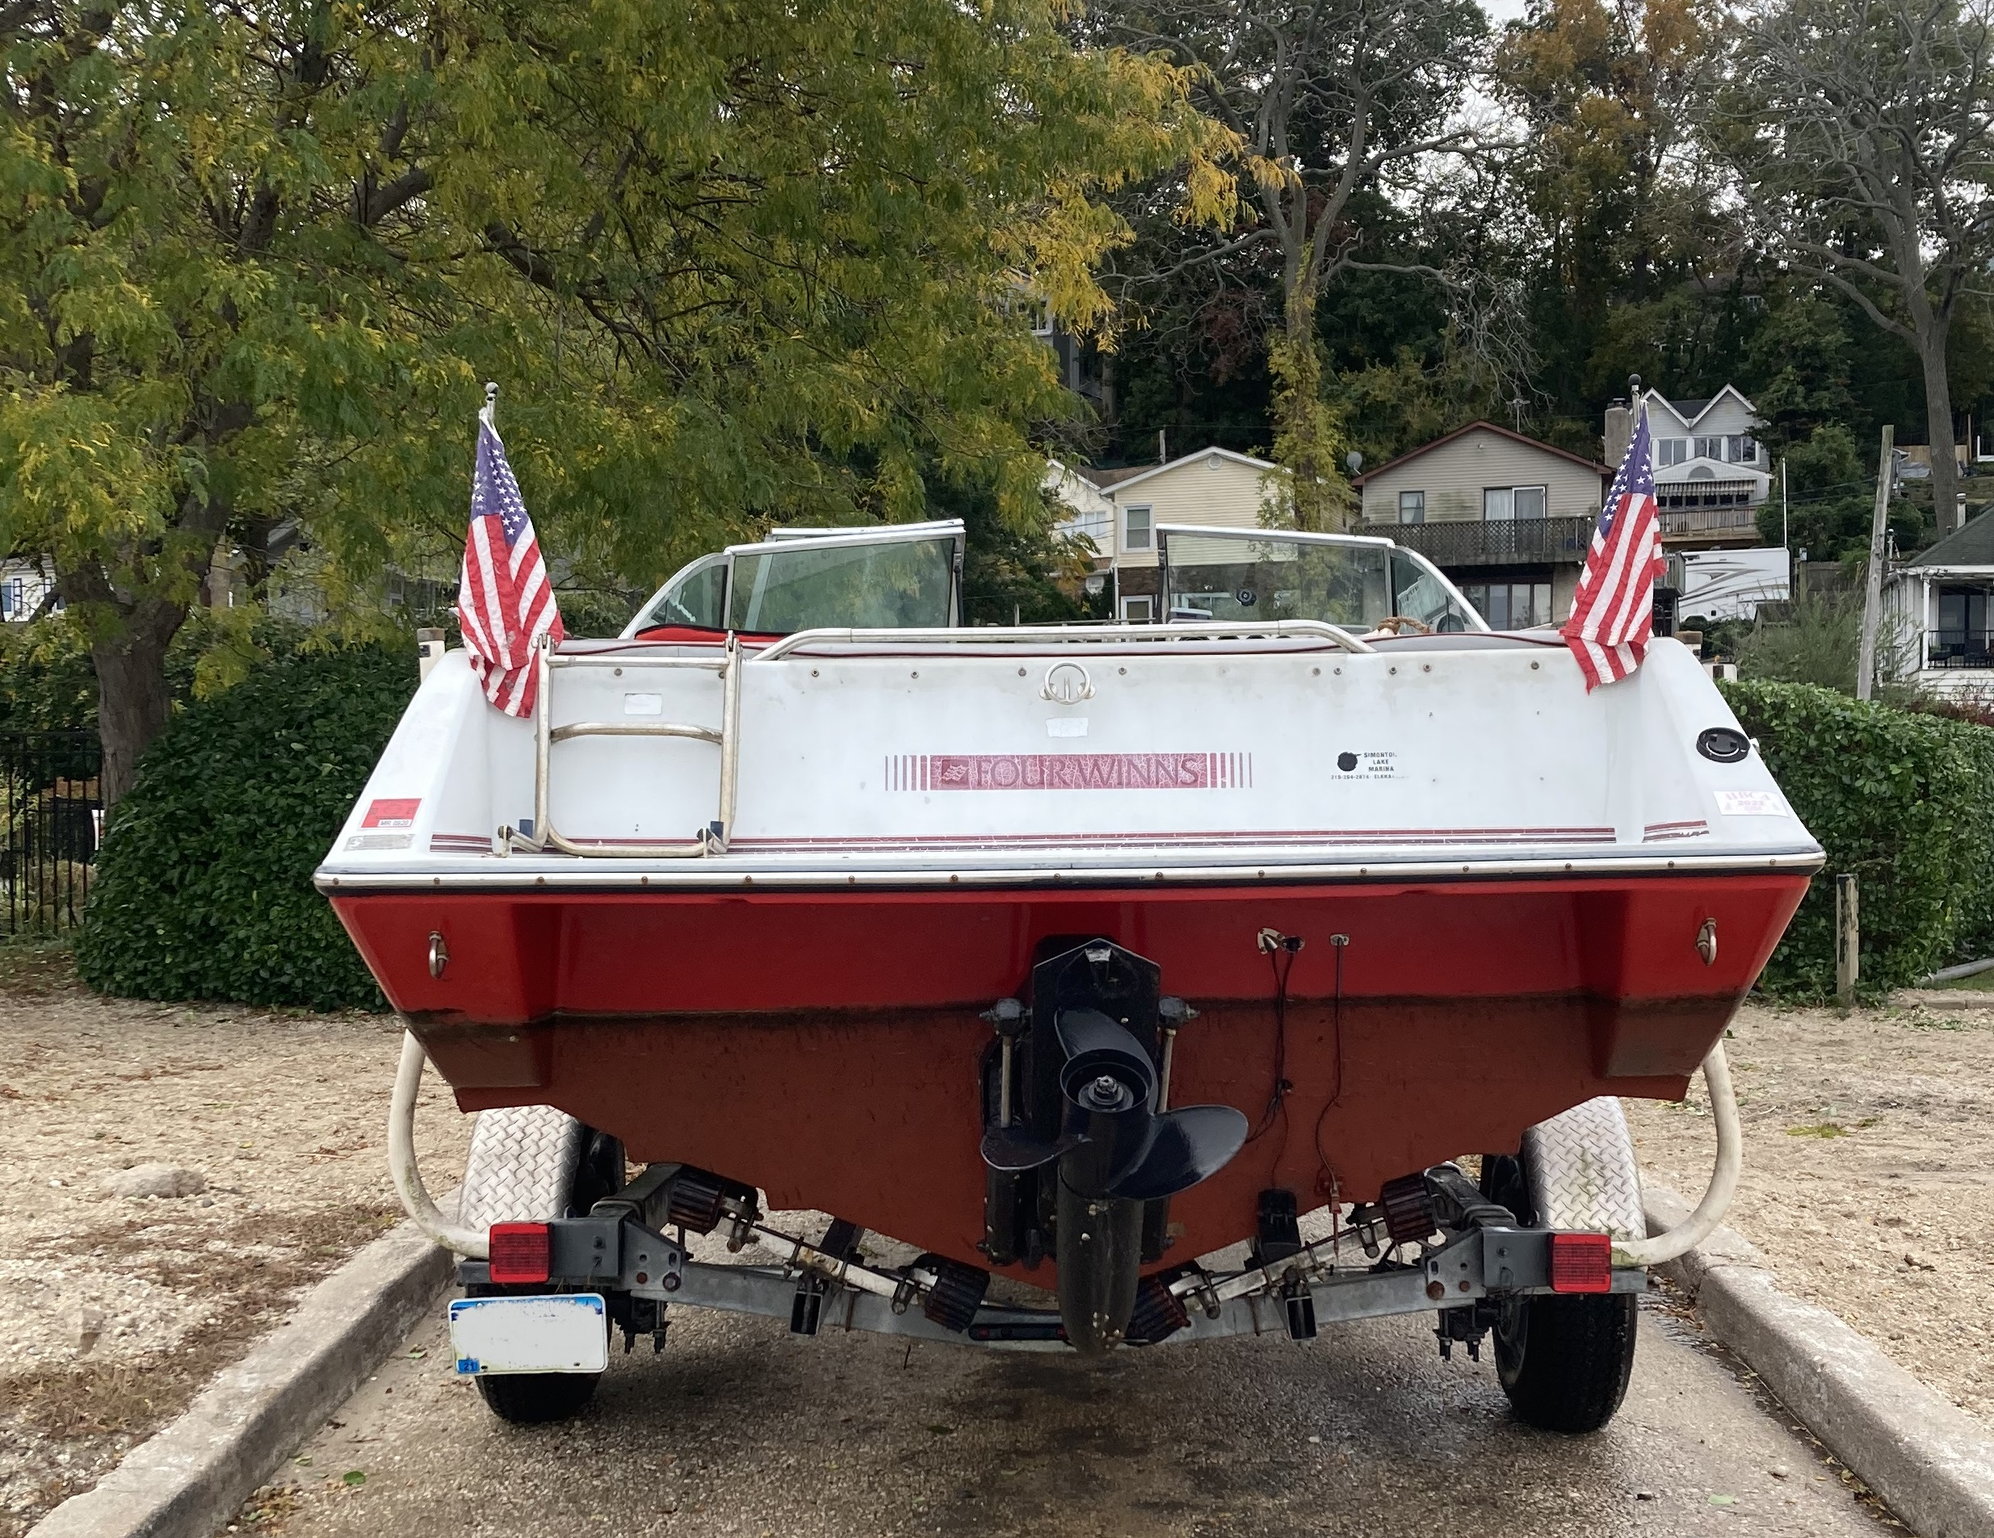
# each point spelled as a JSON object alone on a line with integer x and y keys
{"x": 1613, "y": 611}
{"x": 505, "y": 602}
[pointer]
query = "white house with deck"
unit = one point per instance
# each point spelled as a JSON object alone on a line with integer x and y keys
{"x": 1711, "y": 471}
{"x": 1940, "y": 611}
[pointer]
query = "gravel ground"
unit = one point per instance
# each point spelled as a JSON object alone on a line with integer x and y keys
{"x": 114, "y": 1310}
{"x": 1869, "y": 1171}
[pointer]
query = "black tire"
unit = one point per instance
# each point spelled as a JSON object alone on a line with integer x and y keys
{"x": 1563, "y": 1361}
{"x": 536, "y": 1398}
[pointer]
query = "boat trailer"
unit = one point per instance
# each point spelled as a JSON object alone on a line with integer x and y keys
{"x": 622, "y": 1251}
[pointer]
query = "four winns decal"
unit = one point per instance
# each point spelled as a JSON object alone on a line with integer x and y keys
{"x": 1069, "y": 771}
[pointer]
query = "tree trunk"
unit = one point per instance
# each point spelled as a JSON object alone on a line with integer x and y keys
{"x": 133, "y": 700}
{"x": 1305, "y": 428}
{"x": 1938, "y": 424}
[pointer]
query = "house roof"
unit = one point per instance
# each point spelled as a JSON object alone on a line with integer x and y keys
{"x": 1692, "y": 411}
{"x": 1106, "y": 478}
{"x": 1129, "y": 475}
{"x": 1970, "y": 546}
{"x": 1487, "y": 427}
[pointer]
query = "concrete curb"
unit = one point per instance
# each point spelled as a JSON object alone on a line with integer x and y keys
{"x": 1943, "y": 998}
{"x": 1930, "y": 1461}
{"x": 189, "y": 1478}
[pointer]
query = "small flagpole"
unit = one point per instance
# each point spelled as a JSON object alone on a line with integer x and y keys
{"x": 489, "y": 415}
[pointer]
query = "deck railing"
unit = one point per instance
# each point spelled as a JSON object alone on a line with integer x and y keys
{"x": 1708, "y": 520}
{"x": 1493, "y": 542}
{"x": 1959, "y": 649}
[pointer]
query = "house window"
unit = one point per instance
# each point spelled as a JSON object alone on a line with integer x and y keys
{"x": 1962, "y": 639}
{"x": 1138, "y": 610}
{"x": 1137, "y": 532}
{"x": 1512, "y": 502}
{"x": 1709, "y": 448}
{"x": 13, "y": 598}
{"x": 1744, "y": 450}
{"x": 1673, "y": 451}
{"x": 1510, "y": 605}
{"x": 1412, "y": 507}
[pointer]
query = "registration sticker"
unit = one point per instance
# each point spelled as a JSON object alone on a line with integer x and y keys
{"x": 1752, "y": 803}
{"x": 391, "y": 814}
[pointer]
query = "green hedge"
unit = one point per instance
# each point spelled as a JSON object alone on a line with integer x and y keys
{"x": 203, "y": 887}
{"x": 1902, "y": 800}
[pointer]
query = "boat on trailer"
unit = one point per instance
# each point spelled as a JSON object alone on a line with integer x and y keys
{"x": 1074, "y": 958}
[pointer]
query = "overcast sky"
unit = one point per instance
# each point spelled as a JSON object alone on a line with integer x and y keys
{"x": 1500, "y": 11}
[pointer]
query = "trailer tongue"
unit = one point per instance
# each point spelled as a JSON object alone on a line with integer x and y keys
{"x": 1068, "y": 957}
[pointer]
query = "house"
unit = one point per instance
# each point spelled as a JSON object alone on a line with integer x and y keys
{"x": 1711, "y": 471}
{"x": 1939, "y": 615}
{"x": 1508, "y": 518}
{"x": 1118, "y": 510}
{"x": 25, "y": 586}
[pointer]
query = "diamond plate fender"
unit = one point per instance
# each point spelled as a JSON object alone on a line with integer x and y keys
{"x": 522, "y": 1165}
{"x": 1582, "y": 1171}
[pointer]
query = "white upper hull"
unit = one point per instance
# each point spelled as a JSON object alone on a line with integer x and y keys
{"x": 982, "y": 759}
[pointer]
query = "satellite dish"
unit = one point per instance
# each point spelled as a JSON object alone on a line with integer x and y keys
{"x": 1354, "y": 460}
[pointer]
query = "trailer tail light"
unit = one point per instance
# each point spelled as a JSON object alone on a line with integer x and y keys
{"x": 523, "y": 1252}
{"x": 1579, "y": 1262}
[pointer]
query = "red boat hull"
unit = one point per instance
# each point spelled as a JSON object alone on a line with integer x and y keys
{"x": 824, "y": 1046}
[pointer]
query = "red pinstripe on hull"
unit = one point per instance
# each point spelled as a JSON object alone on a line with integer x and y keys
{"x": 825, "y": 1046}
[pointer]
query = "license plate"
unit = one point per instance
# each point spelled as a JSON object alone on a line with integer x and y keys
{"x": 559, "y": 1332}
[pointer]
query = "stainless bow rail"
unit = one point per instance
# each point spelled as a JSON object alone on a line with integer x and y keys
{"x": 1073, "y": 635}
{"x": 712, "y": 839}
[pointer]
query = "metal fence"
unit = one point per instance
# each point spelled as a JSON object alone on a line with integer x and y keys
{"x": 54, "y": 820}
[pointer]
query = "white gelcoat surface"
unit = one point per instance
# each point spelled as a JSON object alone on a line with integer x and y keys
{"x": 1186, "y": 760}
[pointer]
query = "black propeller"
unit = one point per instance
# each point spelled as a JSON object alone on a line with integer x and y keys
{"x": 1112, "y": 1142}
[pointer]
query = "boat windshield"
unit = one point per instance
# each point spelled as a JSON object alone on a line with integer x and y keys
{"x": 809, "y": 579}
{"x": 872, "y": 587}
{"x": 1260, "y": 574}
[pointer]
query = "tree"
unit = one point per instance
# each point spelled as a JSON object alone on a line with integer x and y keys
{"x": 733, "y": 265}
{"x": 1862, "y": 141}
{"x": 1630, "y": 262}
{"x": 204, "y": 209}
{"x": 1329, "y": 100}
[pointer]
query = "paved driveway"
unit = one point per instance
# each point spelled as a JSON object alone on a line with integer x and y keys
{"x": 740, "y": 1429}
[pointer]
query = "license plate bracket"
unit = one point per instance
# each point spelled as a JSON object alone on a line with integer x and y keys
{"x": 541, "y": 1332}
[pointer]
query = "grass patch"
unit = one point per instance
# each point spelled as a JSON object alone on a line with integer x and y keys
{"x": 37, "y": 965}
{"x": 1819, "y": 1129}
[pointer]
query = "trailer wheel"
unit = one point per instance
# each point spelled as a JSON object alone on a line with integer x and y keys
{"x": 1564, "y": 1361}
{"x": 529, "y": 1163}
